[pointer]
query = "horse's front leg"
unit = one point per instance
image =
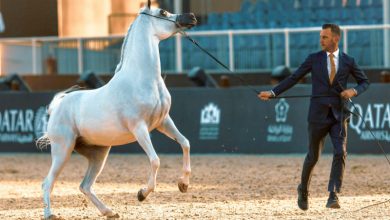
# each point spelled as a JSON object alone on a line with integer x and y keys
{"x": 169, "y": 129}
{"x": 142, "y": 135}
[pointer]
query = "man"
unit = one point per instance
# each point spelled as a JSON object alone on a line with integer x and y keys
{"x": 330, "y": 70}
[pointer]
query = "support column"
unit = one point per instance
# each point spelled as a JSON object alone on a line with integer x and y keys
{"x": 386, "y": 32}
{"x": 178, "y": 6}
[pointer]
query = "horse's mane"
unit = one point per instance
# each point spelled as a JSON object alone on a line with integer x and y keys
{"x": 73, "y": 88}
{"x": 119, "y": 66}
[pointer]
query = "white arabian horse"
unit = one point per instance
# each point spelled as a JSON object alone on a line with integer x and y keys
{"x": 125, "y": 110}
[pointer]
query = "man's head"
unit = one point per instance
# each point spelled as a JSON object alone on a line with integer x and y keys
{"x": 330, "y": 37}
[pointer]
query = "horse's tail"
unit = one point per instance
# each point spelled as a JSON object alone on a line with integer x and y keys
{"x": 44, "y": 141}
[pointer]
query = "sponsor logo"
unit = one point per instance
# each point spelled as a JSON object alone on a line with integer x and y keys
{"x": 22, "y": 125}
{"x": 40, "y": 122}
{"x": 280, "y": 131}
{"x": 209, "y": 122}
{"x": 281, "y": 110}
{"x": 375, "y": 117}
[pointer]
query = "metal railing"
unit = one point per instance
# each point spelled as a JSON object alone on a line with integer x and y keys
{"x": 241, "y": 50}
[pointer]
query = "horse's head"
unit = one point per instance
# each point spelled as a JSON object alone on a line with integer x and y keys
{"x": 166, "y": 24}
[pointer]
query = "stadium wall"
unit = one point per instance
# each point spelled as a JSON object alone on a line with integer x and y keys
{"x": 26, "y": 18}
{"x": 217, "y": 121}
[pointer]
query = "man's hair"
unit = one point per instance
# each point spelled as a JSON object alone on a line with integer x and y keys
{"x": 334, "y": 28}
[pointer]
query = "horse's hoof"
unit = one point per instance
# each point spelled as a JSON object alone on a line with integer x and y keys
{"x": 114, "y": 216}
{"x": 52, "y": 217}
{"x": 182, "y": 187}
{"x": 140, "y": 196}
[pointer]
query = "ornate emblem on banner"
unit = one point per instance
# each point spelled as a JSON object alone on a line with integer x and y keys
{"x": 209, "y": 122}
{"x": 40, "y": 122}
{"x": 281, "y": 110}
{"x": 280, "y": 131}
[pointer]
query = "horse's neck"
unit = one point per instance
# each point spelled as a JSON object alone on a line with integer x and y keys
{"x": 140, "y": 55}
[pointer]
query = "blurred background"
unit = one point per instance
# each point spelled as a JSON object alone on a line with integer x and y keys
{"x": 69, "y": 37}
{"x": 50, "y": 45}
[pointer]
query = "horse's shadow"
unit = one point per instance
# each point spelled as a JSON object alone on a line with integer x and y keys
{"x": 209, "y": 193}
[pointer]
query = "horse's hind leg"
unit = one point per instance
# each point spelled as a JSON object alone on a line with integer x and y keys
{"x": 169, "y": 129}
{"x": 142, "y": 135}
{"x": 96, "y": 156}
{"x": 60, "y": 153}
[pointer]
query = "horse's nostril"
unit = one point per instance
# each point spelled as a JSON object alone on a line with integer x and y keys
{"x": 188, "y": 20}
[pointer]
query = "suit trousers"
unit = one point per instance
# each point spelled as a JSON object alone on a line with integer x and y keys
{"x": 317, "y": 132}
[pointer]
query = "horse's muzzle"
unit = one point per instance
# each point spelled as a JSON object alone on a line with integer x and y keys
{"x": 187, "y": 20}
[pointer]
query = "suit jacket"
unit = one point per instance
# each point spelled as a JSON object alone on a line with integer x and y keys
{"x": 316, "y": 63}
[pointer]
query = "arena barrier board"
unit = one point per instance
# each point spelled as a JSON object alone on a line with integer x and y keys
{"x": 230, "y": 120}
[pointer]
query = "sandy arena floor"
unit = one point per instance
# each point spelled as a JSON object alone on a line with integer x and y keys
{"x": 222, "y": 187}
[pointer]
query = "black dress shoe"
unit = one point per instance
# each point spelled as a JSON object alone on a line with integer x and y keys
{"x": 333, "y": 201}
{"x": 303, "y": 198}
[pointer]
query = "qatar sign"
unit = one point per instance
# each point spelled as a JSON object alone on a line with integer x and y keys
{"x": 22, "y": 125}
{"x": 372, "y": 119}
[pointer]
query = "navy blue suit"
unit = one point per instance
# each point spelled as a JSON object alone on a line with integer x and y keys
{"x": 326, "y": 114}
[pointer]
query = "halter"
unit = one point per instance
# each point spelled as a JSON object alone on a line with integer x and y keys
{"x": 162, "y": 18}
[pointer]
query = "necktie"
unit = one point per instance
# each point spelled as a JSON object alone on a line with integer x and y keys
{"x": 332, "y": 68}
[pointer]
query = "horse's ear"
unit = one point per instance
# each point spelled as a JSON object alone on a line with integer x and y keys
{"x": 149, "y": 3}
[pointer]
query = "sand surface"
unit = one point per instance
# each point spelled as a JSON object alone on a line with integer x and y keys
{"x": 222, "y": 187}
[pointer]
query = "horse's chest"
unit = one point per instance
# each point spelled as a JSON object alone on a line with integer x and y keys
{"x": 154, "y": 109}
{"x": 160, "y": 108}
{"x": 164, "y": 103}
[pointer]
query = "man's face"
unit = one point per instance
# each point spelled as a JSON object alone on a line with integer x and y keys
{"x": 329, "y": 41}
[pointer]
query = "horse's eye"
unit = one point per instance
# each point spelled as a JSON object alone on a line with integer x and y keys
{"x": 163, "y": 13}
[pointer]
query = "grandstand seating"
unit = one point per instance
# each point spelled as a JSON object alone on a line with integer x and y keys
{"x": 296, "y": 13}
{"x": 251, "y": 52}
{"x": 267, "y": 51}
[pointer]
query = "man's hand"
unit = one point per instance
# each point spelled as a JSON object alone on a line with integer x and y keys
{"x": 348, "y": 93}
{"x": 265, "y": 95}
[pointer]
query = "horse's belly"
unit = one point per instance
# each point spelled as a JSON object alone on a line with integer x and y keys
{"x": 109, "y": 140}
{"x": 107, "y": 137}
